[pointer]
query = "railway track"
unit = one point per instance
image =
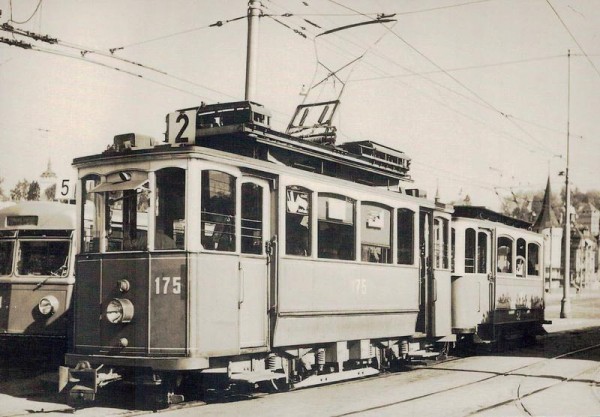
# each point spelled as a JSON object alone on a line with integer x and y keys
{"x": 518, "y": 398}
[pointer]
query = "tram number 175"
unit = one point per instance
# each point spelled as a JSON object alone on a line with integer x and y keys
{"x": 167, "y": 285}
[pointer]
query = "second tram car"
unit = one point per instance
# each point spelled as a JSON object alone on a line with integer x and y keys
{"x": 36, "y": 275}
{"x": 497, "y": 284}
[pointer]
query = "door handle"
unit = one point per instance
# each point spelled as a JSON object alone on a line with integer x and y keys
{"x": 241, "y": 299}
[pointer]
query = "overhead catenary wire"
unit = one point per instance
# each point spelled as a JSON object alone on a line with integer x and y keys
{"x": 573, "y": 38}
{"x": 26, "y": 20}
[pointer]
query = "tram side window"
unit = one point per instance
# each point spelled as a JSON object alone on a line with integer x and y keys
{"x": 92, "y": 204}
{"x": 297, "y": 221}
{"x": 533, "y": 259}
{"x": 218, "y": 210}
{"x": 38, "y": 257}
{"x": 376, "y": 228}
{"x": 441, "y": 243}
{"x": 406, "y": 236}
{"x": 336, "y": 227}
{"x": 6, "y": 256}
{"x": 521, "y": 254}
{"x": 505, "y": 252}
{"x": 127, "y": 219}
{"x": 170, "y": 209}
{"x": 252, "y": 218}
{"x": 470, "y": 250}
{"x": 482, "y": 253}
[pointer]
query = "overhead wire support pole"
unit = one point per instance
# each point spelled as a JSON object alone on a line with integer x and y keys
{"x": 254, "y": 10}
{"x": 565, "y": 304}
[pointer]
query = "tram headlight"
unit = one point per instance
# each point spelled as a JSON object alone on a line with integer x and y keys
{"x": 119, "y": 310}
{"x": 48, "y": 305}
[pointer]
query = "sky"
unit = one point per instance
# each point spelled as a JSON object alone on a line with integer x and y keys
{"x": 479, "y": 93}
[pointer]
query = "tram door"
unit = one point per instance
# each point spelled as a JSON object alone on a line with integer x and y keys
{"x": 426, "y": 308}
{"x": 253, "y": 275}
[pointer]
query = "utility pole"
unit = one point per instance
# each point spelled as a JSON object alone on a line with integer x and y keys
{"x": 565, "y": 304}
{"x": 254, "y": 9}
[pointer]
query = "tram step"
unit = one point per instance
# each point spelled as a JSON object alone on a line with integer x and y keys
{"x": 254, "y": 377}
{"x": 335, "y": 377}
{"x": 423, "y": 354}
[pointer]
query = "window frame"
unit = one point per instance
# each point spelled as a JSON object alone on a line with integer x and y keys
{"x": 352, "y": 249}
{"x": 389, "y": 258}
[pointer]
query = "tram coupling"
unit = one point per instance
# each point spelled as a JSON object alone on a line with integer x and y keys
{"x": 81, "y": 383}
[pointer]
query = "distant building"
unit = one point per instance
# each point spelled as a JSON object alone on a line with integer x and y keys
{"x": 547, "y": 224}
{"x": 584, "y": 249}
{"x": 47, "y": 180}
{"x": 589, "y": 216}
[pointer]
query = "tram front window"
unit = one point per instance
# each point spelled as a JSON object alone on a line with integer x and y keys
{"x": 6, "y": 256}
{"x": 43, "y": 258}
{"x": 336, "y": 227}
{"x": 170, "y": 209}
{"x": 218, "y": 211}
{"x": 91, "y": 219}
{"x": 127, "y": 220}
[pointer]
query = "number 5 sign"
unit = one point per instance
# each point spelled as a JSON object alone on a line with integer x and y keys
{"x": 181, "y": 126}
{"x": 65, "y": 189}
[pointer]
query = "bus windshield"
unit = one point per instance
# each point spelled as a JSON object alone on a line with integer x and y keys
{"x": 6, "y": 256}
{"x": 43, "y": 257}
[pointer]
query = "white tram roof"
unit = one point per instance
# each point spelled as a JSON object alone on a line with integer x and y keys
{"x": 47, "y": 215}
{"x": 483, "y": 213}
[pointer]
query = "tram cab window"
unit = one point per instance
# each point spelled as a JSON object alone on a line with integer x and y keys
{"x": 521, "y": 257}
{"x": 170, "y": 209}
{"x": 336, "y": 227}
{"x": 376, "y": 234}
{"x": 482, "y": 253}
{"x": 297, "y": 221}
{"x": 92, "y": 205}
{"x": 43, "y": 257}
{"x": 6, "y": 256}
{"x": 441, "y": 242}
{"x": 127, "y": 219}
{"x": 218, "y": 210}
{"x": 533, "y": 259}
{"x": 406, "y": 236}
{"x": 470, "y": 250}
{"x": 505, "y": 253}
{"x": 252, "y": 218}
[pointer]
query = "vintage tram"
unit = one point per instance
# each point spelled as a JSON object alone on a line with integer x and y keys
{"x": 497, "y": 284}
{"x": 36, "y": 276}
{"x": 236, "y": 255}
{"x": 241, "y": 254}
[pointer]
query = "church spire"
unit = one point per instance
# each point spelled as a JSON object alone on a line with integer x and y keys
{"x": 546, "y": 219}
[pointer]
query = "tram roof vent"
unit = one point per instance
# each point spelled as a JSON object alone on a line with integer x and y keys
{"x": 132, "y": 141}
{"x": 379, "y": 155}
{"x": 416, "y": 192}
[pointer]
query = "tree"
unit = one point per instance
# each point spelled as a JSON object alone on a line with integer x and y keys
{"x": 19, "y": 193}
{"x": 2, "y": 195}
{"x": 50, "y": 192}
{"x": 33, "y": 193}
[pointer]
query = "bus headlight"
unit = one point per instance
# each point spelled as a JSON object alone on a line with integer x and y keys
{"x": 48, "y": 305}
{"x": 119, "y": 310}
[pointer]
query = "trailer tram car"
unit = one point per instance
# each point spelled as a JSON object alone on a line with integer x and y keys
{"x": 36, "y": 277}
{"x": 497, "y": 285}
{"x": 248, "y": 257}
